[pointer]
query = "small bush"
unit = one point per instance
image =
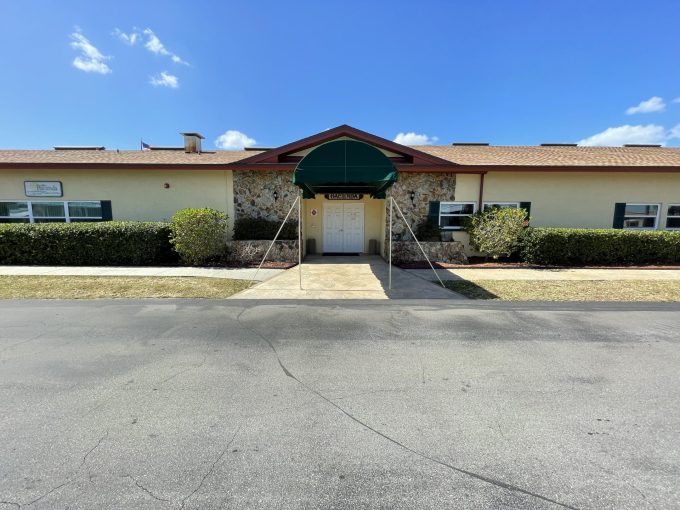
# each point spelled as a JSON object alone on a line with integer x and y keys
{"x": 111, "y": 243}
{"x": 263, "y": 229}
{"x": 580, "y": 247}
{"x": 496, "y": 232}
{"x": 428, "y": 231}
{"x": 199, "y": 235}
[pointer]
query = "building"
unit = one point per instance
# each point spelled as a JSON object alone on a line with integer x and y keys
{"x": 345, "y": 177}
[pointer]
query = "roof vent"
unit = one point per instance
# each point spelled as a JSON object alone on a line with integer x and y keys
{"x": 641, "y": 145}
{"x": 192, "y": 142}
{"x": 558, "y": 145}
{"x": 478, "y": 144}
{"x": 79, "y": 148}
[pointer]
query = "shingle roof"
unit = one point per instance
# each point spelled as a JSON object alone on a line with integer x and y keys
{"x": 556, "y": 156}
{"x": 484, "y": 156}
{"x": 96, "y": 157}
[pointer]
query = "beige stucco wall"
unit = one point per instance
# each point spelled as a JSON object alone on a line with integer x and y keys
{"x": 373, "y": 219}
{"x": 568, "y": 199}
{"x": 134, "y": 194}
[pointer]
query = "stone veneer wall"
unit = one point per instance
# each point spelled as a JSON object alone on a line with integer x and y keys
{"x": 452, "y": 252}
{"x": 428, "y": 187}
{"x": 254, "y": 194}
{"x": 251, "y": 252}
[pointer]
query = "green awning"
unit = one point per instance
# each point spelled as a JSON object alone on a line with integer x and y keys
{"x": 345, "y": 166}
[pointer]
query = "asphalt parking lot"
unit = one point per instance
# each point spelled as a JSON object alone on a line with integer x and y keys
{"x": 233, "y": 404}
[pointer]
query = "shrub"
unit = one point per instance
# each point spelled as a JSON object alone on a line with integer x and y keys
{"x": 263, "y": 229}
{"x": 199, "y": 235}
{"x": 427, "y": 230}
{"x": 112, "y": 243}
{"x": 578, "y": 247}
{"x": 496, "y": 231}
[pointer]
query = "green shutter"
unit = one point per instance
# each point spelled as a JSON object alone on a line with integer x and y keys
{"x": 433, "y": 212}
{"x": 526, "y": 206}
{"x": 619, "y": 214}
{"x": 107, "y": 213}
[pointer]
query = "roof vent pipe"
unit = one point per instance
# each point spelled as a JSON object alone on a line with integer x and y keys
{"x": 192, "y": 142}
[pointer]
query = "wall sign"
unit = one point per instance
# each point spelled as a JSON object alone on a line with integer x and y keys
{"x": 344, "y": 196}
{"x": 43, "y": 189}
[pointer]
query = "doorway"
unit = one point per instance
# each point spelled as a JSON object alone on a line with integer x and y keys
{"x": 343, "y": 227}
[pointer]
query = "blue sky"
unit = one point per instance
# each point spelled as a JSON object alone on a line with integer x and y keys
{"x": 267, "y": 73}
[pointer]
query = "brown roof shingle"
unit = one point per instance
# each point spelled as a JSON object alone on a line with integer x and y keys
{"x": 476, "y": 156}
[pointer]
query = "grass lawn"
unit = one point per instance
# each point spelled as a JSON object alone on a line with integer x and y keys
{"x": 569, "y": 290}
{"x": 93, "y": 287}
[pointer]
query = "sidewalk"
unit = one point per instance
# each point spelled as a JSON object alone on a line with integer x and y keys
{"x": 576, "y": 274}
{"x": 205, "y": 272}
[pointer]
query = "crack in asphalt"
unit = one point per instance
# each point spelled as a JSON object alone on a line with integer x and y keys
{"x": 68, "y": 481}
{"x": 93, "y": 448}
{"x": 486, "y": 479}
{"x": 140, "y": 486}
{"x": 212, "y": 468}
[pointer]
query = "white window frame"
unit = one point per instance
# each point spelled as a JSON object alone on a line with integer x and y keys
{"x": 656, "y": 217}
{"x": 67, "y": 215}
{"x": 485, "y": 204}
{"x": 474, "y": 210}
{"x": 668, "y": 206}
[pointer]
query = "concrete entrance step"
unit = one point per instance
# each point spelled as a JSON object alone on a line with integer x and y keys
{"x": 346, "y": 277}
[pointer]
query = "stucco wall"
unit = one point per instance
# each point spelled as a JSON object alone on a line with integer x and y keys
{"x": 134, "y": 194}
{"x": 567, "y": 199}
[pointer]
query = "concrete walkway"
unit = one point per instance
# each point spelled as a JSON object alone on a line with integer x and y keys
{"x": 346, "y": 277}
{"x": 548, "y": 274}
{"x": 206, "y": 272}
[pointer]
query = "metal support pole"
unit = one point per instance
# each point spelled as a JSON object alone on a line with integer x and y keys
{"x": 419, "y": 246}
{"x": 300, "y": 237}
{"x": 272, "y": 244}
{"x": 389, "y": 262}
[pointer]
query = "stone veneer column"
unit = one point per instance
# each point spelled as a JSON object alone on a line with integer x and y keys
{"x": 440, "y": 187}
{"x": 254, "y": 193}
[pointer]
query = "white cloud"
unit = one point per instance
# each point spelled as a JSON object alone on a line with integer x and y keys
{"x": 653, "y": 104}
{"x": 233, "y": 140}
{"x": 154, "y": 45}
{"x": 649, "y": 134}
{"x": 165, "y": 80}
{"x": 676, "y": 100}
{"x": 90, "y": 59}
{"x": 129, "y": 39}
{"x": 412, "y": 138}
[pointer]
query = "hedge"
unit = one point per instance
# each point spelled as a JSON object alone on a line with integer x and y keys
{"x": 263, "y": 229}
{"x": 581, "y": 247}
{"x": 112, "y": 243}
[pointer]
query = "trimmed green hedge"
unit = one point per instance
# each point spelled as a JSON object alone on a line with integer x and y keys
{"x": 262, "y": 229}
{"x": 111, "y": 243}
{"x": 581, "y": 247}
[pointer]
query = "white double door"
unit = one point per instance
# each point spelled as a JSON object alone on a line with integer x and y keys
{"x": 343, "y": 227}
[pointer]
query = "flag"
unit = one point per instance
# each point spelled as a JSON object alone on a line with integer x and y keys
{"x": 145, "y": 146}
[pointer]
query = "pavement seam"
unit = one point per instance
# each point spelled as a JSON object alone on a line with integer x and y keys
{"x": 486, "y": 479}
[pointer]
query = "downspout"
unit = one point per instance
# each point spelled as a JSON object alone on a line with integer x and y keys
{"x": 480, "y": 203}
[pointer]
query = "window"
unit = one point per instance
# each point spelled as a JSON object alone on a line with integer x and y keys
{"x": 673, "y": 217}
{"x": 14, "y": 212}
{"x": 452, "y": 215}
{"x": 501, "y": 205}
{"x": 50, "y": 212}
{"x": 641, "y": 216}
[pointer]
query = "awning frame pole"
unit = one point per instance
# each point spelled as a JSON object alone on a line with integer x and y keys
{"x": 419, "y": 245}
{"x": 389, "y": 261}
{"x": 299, "y": 200}
{"x": 272, "y": 244}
